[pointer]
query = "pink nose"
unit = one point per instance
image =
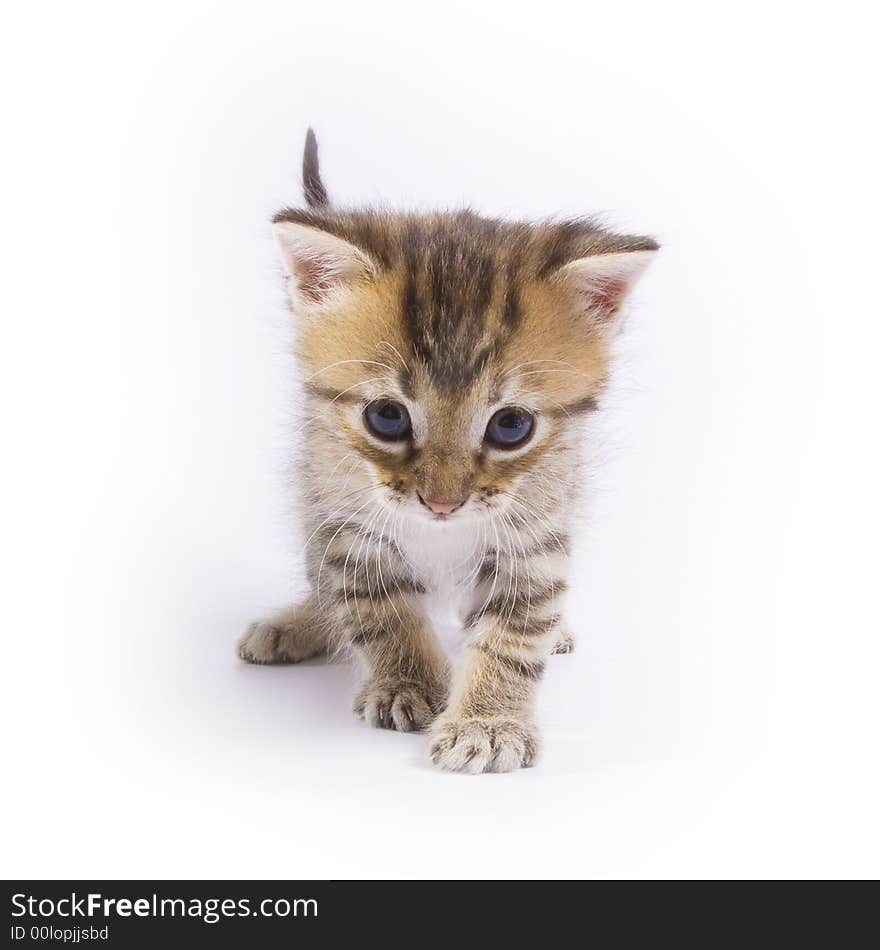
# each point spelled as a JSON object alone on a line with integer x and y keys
{"x": 441, "y": 507}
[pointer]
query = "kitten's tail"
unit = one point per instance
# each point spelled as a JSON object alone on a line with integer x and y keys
{"x": 313, "y": 187}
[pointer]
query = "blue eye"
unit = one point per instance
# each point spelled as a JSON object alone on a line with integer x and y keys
{"x": 509, "y": 427}
{"x": 388, "y": 419}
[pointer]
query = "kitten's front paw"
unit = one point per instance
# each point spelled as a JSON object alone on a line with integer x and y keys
{"x": 400, "y": 705}
{"x": 478, "y": 744}
{"x": 274, "y": 641}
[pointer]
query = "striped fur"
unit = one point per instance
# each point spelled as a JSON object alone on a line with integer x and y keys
{"x": 453, "y": 316}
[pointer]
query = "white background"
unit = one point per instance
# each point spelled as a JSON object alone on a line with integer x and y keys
{"x": 719, "y": 716}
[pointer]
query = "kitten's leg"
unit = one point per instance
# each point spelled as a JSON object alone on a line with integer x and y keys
{"x": 407, "y": 672}
{"x": 292, "y": 635}
{"x": 367, "y": 584}
{"x": 487, "y": 725}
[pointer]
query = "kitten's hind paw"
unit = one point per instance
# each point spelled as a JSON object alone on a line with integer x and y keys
{"x": 564, "y": 640}
{"x": 564, "y": 644}
{"x": 404, "y": 706}
{"x": 483, "y": 744}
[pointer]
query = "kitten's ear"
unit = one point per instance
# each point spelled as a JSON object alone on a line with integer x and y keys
{"x": 321, "y": 265}
{"x": 601, "y": 282}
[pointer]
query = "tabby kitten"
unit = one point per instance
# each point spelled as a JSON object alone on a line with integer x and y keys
{"x": 450, "y": 360}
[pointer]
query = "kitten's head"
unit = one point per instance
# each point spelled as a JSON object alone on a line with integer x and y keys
{"x": 453, "y": 354}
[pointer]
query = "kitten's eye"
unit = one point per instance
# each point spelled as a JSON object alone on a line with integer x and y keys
{"x": 387, "y": 419}
{"x": 509, "y": 427}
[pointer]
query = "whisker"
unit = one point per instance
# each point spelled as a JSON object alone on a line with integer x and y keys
{"x": 326, "y": 549}
{"x": 330, "y": 366}
{"x": 392, "y": 347}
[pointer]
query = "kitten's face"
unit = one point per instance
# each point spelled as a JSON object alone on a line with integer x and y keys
{"x": 450, "y": 358}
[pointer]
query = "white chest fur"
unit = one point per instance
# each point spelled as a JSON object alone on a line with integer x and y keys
{"x": 445, "y": 557}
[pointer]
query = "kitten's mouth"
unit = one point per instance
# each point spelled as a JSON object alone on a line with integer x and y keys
{"x": 440, "y": 510}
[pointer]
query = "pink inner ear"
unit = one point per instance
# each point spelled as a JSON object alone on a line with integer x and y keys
{"x": 601, "y": 282}
{"x": 315, "y": 275}
{"x": 319, "y": 263}
{"x": 602, "y": 294}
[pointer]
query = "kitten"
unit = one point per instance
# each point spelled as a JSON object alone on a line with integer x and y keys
{"x": 450, "y": 360}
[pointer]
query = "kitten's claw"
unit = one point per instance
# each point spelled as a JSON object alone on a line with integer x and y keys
{"x": 404, "y": 706}
{"x": 491, "y": 744}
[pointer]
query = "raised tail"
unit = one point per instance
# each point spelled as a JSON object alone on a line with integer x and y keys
{"x": 313, "y": 188}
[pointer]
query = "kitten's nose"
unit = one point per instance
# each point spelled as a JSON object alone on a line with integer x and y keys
{"x": 441, "y": 507}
